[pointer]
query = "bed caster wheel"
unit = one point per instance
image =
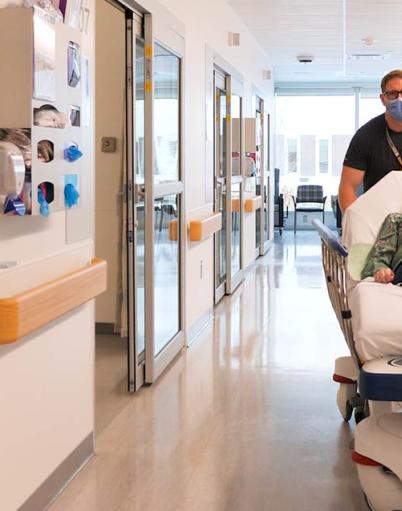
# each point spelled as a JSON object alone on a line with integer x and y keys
{"x": 348, "y": 412}
{"x": 360, "y": 413}
{"x": 344, "y": 396}
{"x": 382, "y": 489}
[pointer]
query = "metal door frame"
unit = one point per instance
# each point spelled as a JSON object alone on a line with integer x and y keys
{"x": 266, "y": 244}
{"x": 259, "y": 105}
{"x": 264, "y": 216}
{"x": 234, "y": 280}
{"x": 155, "y": 365}
{"x": 135, "y": 368}
{"x": 219, "y": 291}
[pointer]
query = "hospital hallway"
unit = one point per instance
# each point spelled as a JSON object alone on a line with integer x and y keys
{"x": 246, "y": 418}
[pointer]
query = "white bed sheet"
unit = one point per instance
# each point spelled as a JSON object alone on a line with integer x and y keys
{"x": 376, "y": 319}
{"x": 376, "y": 308}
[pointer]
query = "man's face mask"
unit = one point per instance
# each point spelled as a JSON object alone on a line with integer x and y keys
{"x": 395, "y": 109}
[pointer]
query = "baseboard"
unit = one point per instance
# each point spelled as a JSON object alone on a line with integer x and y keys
{"x": 250, "y": 268}
{"x": 195, "y": 330}
{"x": 104, "y": 329}
{"x": 63, "y": 474}
{"x": 269, "y": 245}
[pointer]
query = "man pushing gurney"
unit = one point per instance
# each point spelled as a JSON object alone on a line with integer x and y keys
{"x": 373, "y": 153}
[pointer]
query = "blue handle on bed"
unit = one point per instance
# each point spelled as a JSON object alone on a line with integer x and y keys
{"x": 330, "y": 237}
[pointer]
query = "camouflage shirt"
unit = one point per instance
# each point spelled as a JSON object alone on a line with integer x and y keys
{"x": 387, "y": 249}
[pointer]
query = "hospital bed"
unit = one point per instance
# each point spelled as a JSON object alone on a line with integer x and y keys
{"x": 370, "y": 317}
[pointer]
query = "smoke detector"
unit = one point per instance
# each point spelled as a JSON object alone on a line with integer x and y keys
{"x": 305, "y": 59}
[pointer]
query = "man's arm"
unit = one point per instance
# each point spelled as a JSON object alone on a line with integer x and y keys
{"x": 351, "y": 179}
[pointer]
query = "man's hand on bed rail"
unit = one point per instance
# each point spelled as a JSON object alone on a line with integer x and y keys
{"x": 384, "y": 275}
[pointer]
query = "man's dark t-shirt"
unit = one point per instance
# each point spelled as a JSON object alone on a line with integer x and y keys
{"x": 369, "y": 151}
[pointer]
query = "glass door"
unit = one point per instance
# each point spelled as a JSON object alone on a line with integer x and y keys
{"x": 228, "y": 188}
{"x": 266, "y": 177}
{"x": 235, "y": 191}
{"x": 258, "y": 158}
{"x": 163, "y": 195}
{"x": 263, "y": 176}
{"x": 220, "y": 179}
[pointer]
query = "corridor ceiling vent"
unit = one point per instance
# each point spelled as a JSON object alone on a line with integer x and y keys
{"x": 305, "y": 59}
{"x": 234, "y": 39}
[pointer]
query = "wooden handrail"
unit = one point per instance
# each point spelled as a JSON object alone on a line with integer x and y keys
{"x": 252, "y": 204}
{"x": 173, "y": 230}
{"x": 199, "y": 230}
{"x": 235, "y": 205}
{"x": 27, "y": 311}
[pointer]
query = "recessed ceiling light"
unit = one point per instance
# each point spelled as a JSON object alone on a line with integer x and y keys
{"x": 368, "y": 57}
{"x": 305, "y": 59}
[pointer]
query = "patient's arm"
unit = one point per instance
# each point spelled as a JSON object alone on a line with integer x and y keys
{"x": 386, "y": 244}
{"x": 382, "y": 252}
{"x": 384, "y": 275}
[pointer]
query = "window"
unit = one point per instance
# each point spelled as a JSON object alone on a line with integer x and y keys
{"x": 166, "y": 115}
{"x": 292, "y": 155}
{"x": 323, "y": 156}
{"x": 369, "y": 107}
{"x": 312, "y": 135}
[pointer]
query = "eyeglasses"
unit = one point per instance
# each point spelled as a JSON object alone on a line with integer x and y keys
{"x": 393, "y": 94}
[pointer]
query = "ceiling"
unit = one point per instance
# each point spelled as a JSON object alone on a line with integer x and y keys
{"x": 331, "y": 31}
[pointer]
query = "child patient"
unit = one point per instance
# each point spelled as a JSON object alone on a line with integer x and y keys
{"x": 385, "y": 257}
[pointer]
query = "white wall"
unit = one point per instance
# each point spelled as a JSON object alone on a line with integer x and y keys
{"x": 46, "y": 379}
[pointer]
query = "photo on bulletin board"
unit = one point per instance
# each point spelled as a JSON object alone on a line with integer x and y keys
{"x": 44, "y": 86}
{"x": 74, "y": 115}
{"x": 47, "y": 116}
{"x": 73, "y": 64}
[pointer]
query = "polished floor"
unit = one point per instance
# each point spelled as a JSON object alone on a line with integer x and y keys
{"x": 111, "y": 380}
{"x": 245, "y": 419}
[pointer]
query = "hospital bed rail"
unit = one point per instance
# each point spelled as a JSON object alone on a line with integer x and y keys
{"x": 373, "y": 384}
{"x": 334, "y": 256}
